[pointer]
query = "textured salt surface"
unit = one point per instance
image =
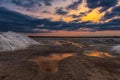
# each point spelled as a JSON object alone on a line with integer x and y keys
{"x": 10, "y": 41}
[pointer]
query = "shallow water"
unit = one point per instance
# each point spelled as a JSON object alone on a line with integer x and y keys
{"x": 49, "y": 63}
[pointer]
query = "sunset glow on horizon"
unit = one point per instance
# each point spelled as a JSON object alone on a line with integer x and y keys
{"x": 77, "y": 33}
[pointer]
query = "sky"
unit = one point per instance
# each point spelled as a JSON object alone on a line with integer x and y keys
{"x": 61, "y": 17}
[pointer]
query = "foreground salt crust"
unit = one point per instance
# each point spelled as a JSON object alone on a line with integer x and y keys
{"x": 11, "y": 41}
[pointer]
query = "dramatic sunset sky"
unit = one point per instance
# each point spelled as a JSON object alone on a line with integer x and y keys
{"x": 61, "y": 17}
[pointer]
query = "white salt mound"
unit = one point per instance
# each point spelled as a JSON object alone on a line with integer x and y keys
{"x": 116, "y": 49}
{"x": 11, "y": 41}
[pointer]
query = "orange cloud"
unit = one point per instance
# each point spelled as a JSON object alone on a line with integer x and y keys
{"x": 93, "y": 16}
{"x": 67, "y": 18}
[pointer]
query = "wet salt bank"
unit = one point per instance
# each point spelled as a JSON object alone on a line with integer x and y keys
{"x": 116, "y": 49}
{"x": 10, "y": 41}
{"x": 75, "y": 44}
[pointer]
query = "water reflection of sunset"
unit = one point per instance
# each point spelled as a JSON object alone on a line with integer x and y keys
{"x": 50, "y": 63}
{"x": 98, "y": 54}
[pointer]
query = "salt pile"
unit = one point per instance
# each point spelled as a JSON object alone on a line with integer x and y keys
{"x": 116, "y": 49}
{"x": 11, "y": 41}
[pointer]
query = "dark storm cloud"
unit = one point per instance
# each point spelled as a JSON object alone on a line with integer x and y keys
{"x": 10, "y": 20}
{"x": 28, "y": 3}
{"x": 115, "y": 21}
{"x": 60, "y": 11}
{"x": 105, "y": 26}
{"x": 75, "y": 16}
{"x": 74, "y": 5}
{"x": 112, "y": 25}
{"x": 115, "y": 12}
{"x": 47, "y": 2}
{"x": 45, "y": 11}
{"x": 78, "y": 16}
{"x": 105, "y": 4}
{"x": 13, "y": 21}
{"x": 74, "y": 25}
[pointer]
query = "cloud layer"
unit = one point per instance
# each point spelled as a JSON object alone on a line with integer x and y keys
{"x": 69, "y": 15}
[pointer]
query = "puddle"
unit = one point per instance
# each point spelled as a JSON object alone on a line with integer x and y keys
{"x": 49, "y": 64}
{"x": 98, "y": 54}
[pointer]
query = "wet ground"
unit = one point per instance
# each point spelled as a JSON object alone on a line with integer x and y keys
{"x": 63, "y": 59}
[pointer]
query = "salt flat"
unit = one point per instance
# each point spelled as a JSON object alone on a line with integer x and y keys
{"x": 63, "y": 59}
